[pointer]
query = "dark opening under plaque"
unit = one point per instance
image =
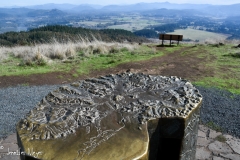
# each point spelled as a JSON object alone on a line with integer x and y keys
{"x": 122, "y": 116}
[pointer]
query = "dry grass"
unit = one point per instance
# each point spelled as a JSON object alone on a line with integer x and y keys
{"x": 46, "y": 53}
{"x": 214, "y": 42}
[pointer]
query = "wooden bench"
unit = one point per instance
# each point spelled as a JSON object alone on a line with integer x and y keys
{"x": 170, "y": 37}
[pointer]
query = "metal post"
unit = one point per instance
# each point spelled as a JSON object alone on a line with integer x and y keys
{"x": 178, "y": 40}
{"x": 162, "y": 39}
{"x": 170, "y": 40}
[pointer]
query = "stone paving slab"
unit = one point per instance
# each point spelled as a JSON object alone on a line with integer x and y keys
{"x": 217, "y": 158}
{"x": 213, "y": 134}
{"x": 203, "y": 142}
{"x": 11, "y": 139}
{"x": 203, "y": 128}
{"x": 203, "y": 153}
{"x": 10, "y": 157}
{"x": 211, "y": 148}
{"x": 234, "y": 144}
{"x": 9, "y": 148}
{"x": 201, "y": 134}
{"x": 231, "y": 156}
{"x": 219, "y": 147}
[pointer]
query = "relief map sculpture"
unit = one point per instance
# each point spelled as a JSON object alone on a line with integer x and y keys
{"x": 122, "y": 116}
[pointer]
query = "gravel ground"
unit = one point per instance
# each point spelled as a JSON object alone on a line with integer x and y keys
{"x": 222, "y": 108}
{"x": 15, "y": 102}
{"x": 219, "y": 106}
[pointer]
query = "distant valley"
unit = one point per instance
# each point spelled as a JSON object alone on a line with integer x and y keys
{"x": 143, "y": 19}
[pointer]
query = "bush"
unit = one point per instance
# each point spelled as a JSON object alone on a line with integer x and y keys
{"x": 41, "y": 54}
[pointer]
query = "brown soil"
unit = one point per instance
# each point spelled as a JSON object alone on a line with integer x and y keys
{"x": 188, "y": 66}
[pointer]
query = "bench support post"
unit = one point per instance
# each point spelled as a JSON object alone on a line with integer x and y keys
{"x": 162, "y": 39}
{"x": 178, "y": 40}
{"x": 170, "y": 40}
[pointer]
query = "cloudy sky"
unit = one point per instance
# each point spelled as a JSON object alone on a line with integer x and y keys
{"x": 106, "y": 2}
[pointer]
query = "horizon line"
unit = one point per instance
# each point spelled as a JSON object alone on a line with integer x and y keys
{"x": 119, "y": 4}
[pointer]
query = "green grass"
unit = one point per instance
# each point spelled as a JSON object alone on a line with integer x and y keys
{"x": 193, "y": 50}
{"x": 221, "y": 138}
{"x": 12, "y": 66}
{"x": 16, "y": 70}
{"x": 112, "y": 60}
{"x": 226, "y": 69}
{"x": 173, "y": 48}
{"x": 83, "y": 65}
{"x": 213, "y": 126}
{"x": 231, "y": 84}
{"x": 218, "y": 60}
{"x": 75, "y": 75}
{"x": 25, "y": 84}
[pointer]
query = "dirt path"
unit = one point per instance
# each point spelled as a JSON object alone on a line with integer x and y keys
{"x": 174, "y": 64}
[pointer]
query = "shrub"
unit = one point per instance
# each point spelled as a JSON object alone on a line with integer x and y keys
{"x": 221, "y": 138}
{"x": 41, "y": 54}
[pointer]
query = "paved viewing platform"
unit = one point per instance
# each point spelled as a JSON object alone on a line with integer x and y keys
{"x": 128, "y": 116}
{"x": 211, "y": 145}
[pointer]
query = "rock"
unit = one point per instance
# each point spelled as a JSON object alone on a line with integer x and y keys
{"x": 10, "y": 157}
{"x": 11, "y": 139}
{"x": 202, "y": 153}
{"x": 202, "y": 142}
{"x": 201, "y": 134}
{"x": 9, "y": 149}
{"x": 217, "y": 158}
{"x": 231, "y": 156}
{"x": 203, "y": 129}
{"x": 227, "y": 136}
{"x": 219, "y": 147}
{"x": 6, "y": 147}
{"x": 121, "y": 116}
{"x": 213, "y": 134}
{"x": 234, "y": 143}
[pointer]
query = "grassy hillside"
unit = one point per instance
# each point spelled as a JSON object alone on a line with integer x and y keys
{"x": 225, "y": 65}
{"x": 83, "y": 57}
{"x": 46, "y": 34}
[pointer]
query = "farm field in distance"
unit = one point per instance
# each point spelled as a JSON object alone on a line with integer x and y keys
{"x": 137, "y": 22}
{"x": 134, "y": 23}
{"x": 200, "y": 35}
{"x": 130, "y": 23}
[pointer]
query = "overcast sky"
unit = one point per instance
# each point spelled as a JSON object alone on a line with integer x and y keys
{"x": 106, "y": 2}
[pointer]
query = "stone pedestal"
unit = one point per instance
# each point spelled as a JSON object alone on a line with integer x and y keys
{"x": 123, "y": 116}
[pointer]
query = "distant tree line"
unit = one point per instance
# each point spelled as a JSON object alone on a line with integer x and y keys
{"x": 153, "y": 31}
{"x": 65, "y": 33}
{"x": 148, "y": 33}
{"x": 166, "y": 28}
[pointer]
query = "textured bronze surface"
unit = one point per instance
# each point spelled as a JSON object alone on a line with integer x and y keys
{"x": 123, "y": 116}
